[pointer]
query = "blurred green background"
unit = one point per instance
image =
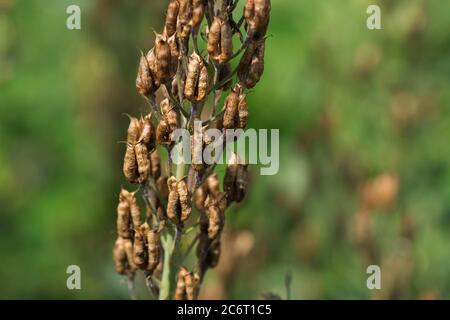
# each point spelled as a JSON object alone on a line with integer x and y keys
{"x": 365, "y": 164}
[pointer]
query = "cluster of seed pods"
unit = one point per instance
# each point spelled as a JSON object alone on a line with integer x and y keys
{"x": 177, "y": 80}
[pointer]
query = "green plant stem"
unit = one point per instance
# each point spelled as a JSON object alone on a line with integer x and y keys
{"x": 170, "y": 243}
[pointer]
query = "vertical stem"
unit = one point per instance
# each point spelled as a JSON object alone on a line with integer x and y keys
{"x": 170, "y": 240}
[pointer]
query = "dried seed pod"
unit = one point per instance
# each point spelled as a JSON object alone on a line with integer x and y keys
{"x": 163, "y": 133}
{"x": 200, "y": 196}
{"x": 174, "y": 56}
{"x": 134, "y": 208}
{"x": 213, "y": 184}
{"x": 163, "y": 59}
{"x": 197, "y": 80}
{"x": 152, "y": 64}
{"x": 213, "y": 255}
{"x": 184, "y": 16}
{"x": 154, "y": 247}
{"x": 220, "y": 43}
{"x": 128, "y": 245}
{"x": 198, "y": 12}
{"x": 216, "y": 217}
{"x": 123, "y": 216}
{"x": 180, "y": 291}
{"x": 235, "y": 180}
{"x": 213, "y": 45}
{"x": 251, "y": 66}
{"x": 171, "y": 18}
{"x": 241, "y": 183}
{"x": 139, "y": 247}
{"x": 120, "y": 257}
{"x": 192, "y": 281}
{"x": 242, "y": 111}
{"x": 231, "y": 113}
{"x": 203, "y": 82}
{"x": 185, "y": 199}
{"x": 192, "y": 76}
{"x": 130, "y": 165}
{"x": 170, "y": 114}
{"x": 144, "y": 79}
{"x": 147, "y": 135}
{"x": 257, "y": 16}
{"x": 155, "y": 164}
{"x": 226, "y": 42}
{"x": 142, "y": 157}
{"x": 173, "y": 205}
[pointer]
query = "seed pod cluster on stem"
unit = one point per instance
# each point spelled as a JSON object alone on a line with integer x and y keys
{"x": 183, "y": 86}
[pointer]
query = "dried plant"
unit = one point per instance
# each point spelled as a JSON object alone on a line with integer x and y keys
{"x": 186, "y": 79}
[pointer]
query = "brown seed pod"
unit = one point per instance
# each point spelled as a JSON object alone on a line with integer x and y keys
{"x": 243, "y": 111}
{"x": 163, "y": 59}
{"x": 184, "y": 16}
{"x": 128, "y": 245}
{"x": 142, "y": 157}
{"x": 226, "y": 42}
{"x": 147, "y": 135}
{"x": 174, "y": 56}
{"x": 144, "y": 79}
{"x": 241, "y": 183}
{"x": 198, "y": 12}
{"x": 213, "y": 255}
{"x": 155, "y": 164}
{"x": 192, "y": 76}
{"x": 154, "y": 247}
{"x": 197, "y": 81}
{"x": 231, "y": 113}
{"x": 180, "y": 291}
{"x": 213, "y": 185}
{"x": 257, "y": 16}
{"x": 171, "y": 18}
{"x": 235, "y": 180}
{"x": 170, "y": 114}
{"x": 140, "y": 247}
{"x": 192, "y": 281}
{"x": 134, "y": 208}
{"x": 173, "y": 205}
{"x": 185, "y": 199}
{"x": 200, "y": 196}
{"x": 220, "y": 43}
{"x": 213, "y": 45}
{"x": 216, "y": 217}
{"x": 151, "y": 62}
{"x": 203, "y": 82}
{"x": 123, "y": 216}
{"x": 130, "y": 165}
{"x": 163, "y": 133}
{"x": 251, "y": 66}
{"x": 120, "y": 257}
